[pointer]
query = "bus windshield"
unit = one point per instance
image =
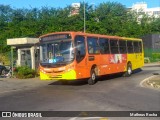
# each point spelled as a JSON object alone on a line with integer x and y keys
{"x": 57, "y": 52}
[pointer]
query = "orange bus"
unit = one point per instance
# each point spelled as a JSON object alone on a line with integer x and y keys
{"x": 76, "y": 55}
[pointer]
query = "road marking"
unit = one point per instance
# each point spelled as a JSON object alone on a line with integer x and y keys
{"x": 88, "y": 118}
{"x": 8, "y": 91}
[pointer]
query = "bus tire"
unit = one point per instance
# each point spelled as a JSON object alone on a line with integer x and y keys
{"x": 92, "y": 79}
{"x": 129, "y": 70}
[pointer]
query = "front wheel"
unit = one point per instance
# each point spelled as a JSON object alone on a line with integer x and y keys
{"x": 92, "y": 79}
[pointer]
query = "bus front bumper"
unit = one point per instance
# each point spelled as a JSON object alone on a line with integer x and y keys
{"x": 68, "y": 75}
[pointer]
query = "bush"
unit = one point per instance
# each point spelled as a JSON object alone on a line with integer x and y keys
{"x": 24, "y": 72}
{"x": 146, "y": 60}
{"x": 156, "y": 57}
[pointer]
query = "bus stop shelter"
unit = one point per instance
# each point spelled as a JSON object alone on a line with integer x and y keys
{"x": 27, "y": 51}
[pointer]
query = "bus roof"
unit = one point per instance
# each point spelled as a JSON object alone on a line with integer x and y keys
{"x": 90, "y": 34}
{"x": 126, "y": 38}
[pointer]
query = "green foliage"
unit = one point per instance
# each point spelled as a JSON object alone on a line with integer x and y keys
{"x": 109, "y": 18}
{"x": 155, "y": 26}
{"x": 146, "y": 60}
{"x": 155, "y": 57}
{"x": 24, "y": 72}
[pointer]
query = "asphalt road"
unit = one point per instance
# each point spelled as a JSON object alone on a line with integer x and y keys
{"x": 110, "y": 93}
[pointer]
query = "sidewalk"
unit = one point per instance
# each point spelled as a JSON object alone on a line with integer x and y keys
{"x": 153, "y": 81}
{"x": 152, "y": 64}
{"x": 14, "y": 84}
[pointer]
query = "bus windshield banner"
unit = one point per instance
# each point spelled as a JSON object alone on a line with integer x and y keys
{"x": 55, "y": 37}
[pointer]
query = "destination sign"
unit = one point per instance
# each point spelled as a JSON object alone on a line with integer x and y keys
{"x": 55, "y": 37}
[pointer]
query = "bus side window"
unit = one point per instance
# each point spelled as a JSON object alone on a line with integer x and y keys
{"x": 80, "y": 48}
{"x": 122, "y": 46}
{"x": 104, "y": 45}
{"x": 136, "y": 47}
{"x": 93, "y": 47}
{"x": 140, "y": 47}
{"x": 114, "y": 46}
{"x": 130, "y": 48}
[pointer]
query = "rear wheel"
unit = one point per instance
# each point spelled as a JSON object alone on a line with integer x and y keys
{"x": 92, "y": 79}
{"x": 129, "y": 70}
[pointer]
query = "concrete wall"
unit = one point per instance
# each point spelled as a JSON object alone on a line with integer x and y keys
{"x": 22, "y": 41}
{"x": 147, "y": 41}
{"x": 156, "y": 41}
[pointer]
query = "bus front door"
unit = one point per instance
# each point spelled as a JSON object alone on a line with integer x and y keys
{"x": 81, "y": 59}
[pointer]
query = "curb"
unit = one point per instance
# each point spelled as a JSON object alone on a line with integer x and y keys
{"x": 143, "y": 83}
{"x": 151, "y": 64}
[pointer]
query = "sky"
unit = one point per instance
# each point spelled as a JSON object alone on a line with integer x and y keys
{"x": 64, "y": 3}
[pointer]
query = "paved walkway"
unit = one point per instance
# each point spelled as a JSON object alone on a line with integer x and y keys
{"x": 153, "y": 81}
{"x": 152, "y": 64}
{"x": 14, "y": 84}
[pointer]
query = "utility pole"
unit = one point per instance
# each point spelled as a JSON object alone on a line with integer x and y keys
{"x": 84, "y": 16}
{"x": 12, "y": 60}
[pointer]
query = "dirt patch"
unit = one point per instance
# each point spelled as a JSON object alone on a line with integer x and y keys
{"x": 153, "y": 82}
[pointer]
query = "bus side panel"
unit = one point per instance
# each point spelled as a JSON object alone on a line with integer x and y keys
{"x": 112, "y": 63}
{"x": 118, "y": 63}
{"x": 104, "y": 64}
{"x": 93, "y": 62}
{"x": 139, "y": 60}
{"x": 136, "y": 59}
{"x": 131, "y": 59}
{"x": 82, "y": 69}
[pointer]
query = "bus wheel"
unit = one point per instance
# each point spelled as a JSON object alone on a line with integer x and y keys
{"x": 129, "y": 70}
{"x": 92, "y": 79}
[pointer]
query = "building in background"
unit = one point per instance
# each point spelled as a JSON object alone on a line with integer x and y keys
{"x": 75, "y": 7}
{"x": 151, "y": 43}
{"x": 141, "y": 9}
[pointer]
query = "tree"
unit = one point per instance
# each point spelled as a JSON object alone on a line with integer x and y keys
{"x": 110, "y": 18}
{"x": 155, "y": 26}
